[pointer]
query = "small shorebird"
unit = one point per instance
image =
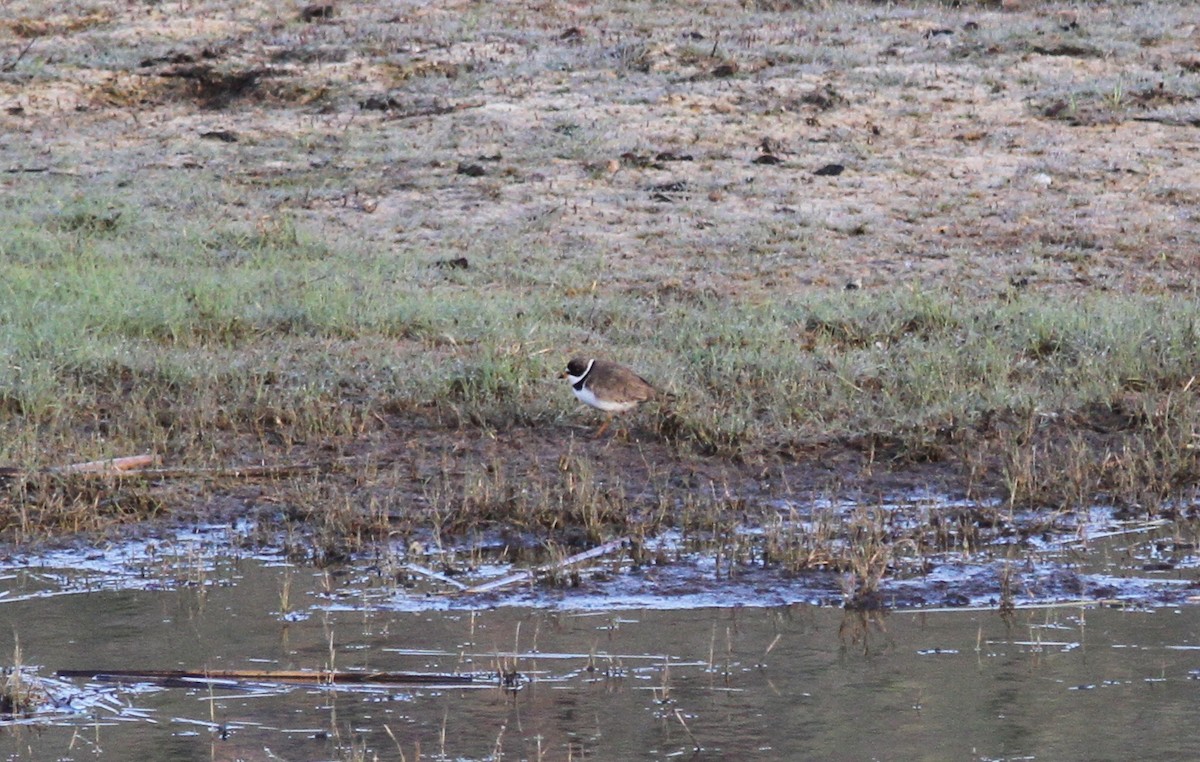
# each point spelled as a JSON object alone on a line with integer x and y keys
{"x": 607, "y": 386}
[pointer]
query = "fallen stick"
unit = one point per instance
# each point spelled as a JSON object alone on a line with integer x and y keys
{"x": 181, "y": 677}
{"x": 144, "y": 465}
{"x": 13, "y": 63}
{"x": 434, "y": 111}
{"x": 112, "y": 465}
{"x": 247, "y": 472}
{"x": 234, "y": 472}
{"x": 1080, "y": 603}
{"x": 431, "y": 574}
{"x": 126, "y": 465}
{"x": 529, "y": 574}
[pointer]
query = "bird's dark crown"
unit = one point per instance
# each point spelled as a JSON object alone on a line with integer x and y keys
{"x": 576, "y": 367}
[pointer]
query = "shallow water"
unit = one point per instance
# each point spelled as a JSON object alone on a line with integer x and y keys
{"x": 748, "y": 682}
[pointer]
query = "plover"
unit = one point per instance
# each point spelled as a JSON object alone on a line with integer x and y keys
{"x": 607, "y": 386}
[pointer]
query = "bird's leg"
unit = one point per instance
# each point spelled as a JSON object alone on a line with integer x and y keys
{"x": 604, "y": 426}
{"x": 623, "y": 429}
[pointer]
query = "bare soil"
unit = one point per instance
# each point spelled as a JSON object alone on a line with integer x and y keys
{"x": 1050, "y": 146}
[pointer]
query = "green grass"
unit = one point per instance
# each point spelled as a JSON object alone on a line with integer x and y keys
{"x": 114, "y": 313}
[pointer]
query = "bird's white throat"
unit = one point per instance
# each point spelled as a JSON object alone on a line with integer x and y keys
{"x": 576, "y": 379}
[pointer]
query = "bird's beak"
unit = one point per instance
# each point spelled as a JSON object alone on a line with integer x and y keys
{"x": 563, "y": 374}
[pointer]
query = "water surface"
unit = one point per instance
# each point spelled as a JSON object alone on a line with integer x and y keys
{"x": 738, "y": 682}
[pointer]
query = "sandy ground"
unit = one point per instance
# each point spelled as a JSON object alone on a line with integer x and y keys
{"x": 1051, "y": 146}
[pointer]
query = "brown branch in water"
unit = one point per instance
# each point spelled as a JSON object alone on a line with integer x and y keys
{"x": 530, "y": 574}
{"x": 431, "y": 574}
{"x": 178, "y": 677}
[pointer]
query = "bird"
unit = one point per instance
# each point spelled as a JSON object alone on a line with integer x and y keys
{"x": 607, "y": 386}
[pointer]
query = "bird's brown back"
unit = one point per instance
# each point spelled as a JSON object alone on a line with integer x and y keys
{"x": 617, "y": 383}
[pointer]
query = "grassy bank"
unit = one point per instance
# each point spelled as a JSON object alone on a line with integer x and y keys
{"x": 212, "y": 343}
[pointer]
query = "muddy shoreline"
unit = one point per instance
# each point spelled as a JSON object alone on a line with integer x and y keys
{"x": 704, "y": 529}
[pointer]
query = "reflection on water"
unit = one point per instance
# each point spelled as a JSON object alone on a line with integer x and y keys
{"x": 790, "y": 682}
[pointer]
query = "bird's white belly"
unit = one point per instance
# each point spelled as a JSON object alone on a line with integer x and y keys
{"x": 585, "y": 395}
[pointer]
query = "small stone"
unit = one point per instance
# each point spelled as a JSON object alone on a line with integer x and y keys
{"x": 316, "y": 12}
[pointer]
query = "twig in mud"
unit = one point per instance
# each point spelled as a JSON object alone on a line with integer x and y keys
{"x": 136, "y": 465}
{"x": 129, "y": 464}
{"x": 112, "y": 465}
{"x": 13, "y": 63}
{"x": 1171, "y": 121}
{"x": 435, "y": 111}
{"x": 235, "y": 472}
{"x": 530, "y": 574}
